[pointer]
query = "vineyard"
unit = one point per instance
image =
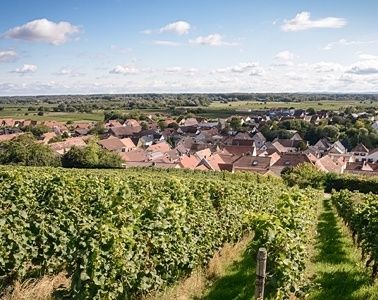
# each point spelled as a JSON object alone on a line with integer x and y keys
{"x": 360, "y": 213}
{"x": 129, "y": 234}
{"x": 122, "y": 234}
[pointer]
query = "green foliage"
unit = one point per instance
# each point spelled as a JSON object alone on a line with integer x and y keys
{"x": 121, "y": 233}
{"x": 304, "y": 175}
{"x": 235, "y": 123}
{"x": 283, "y": 231}
{"x": 307, "y": 175}
{"x": 98, "y": 129}
{"x": 37, "y": 130}
{"x": 91, "y": 156}
{"x": 26, "y": 151}
{"x": 363, "y": 184}
{"x": 360, "y": 213}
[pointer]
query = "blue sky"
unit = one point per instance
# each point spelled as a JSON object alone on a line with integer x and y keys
{"x": 119, "y": 46}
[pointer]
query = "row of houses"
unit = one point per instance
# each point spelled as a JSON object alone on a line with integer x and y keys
{"x": 198, "y": 144}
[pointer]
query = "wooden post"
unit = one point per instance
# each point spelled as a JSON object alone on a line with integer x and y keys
{"x": 260, "y": 274}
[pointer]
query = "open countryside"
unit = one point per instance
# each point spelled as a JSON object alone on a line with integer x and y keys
{"x": 155, "y": 150}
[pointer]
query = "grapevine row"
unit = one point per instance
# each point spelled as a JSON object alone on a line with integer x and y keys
{"x": 120, "y": 234}
{"x": 360, "y": 213}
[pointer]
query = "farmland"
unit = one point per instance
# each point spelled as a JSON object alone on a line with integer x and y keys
{"x": 93, "y": 107}
{"x": 133, "y": 233}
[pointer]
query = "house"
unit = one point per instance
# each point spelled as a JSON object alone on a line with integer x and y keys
{"x": 189, "y": 122}
{"x": 65, "y": 146}
{"x": 116, "y": 144}
{"x": 299, "y": 113}
{"x": 185, "y": 144}
{"x": 243, "y": 139}
{"x": 375, "y": 125}
{"x": 128, "y": 144}
{"x": 259, "y": 140}
{"x": 8, "y": 137}
{"x": 323, "y": 145}
{"x": 255, "y": 164}
{"x": 241, "y": 150}
{"x": 159, "y": 147}
{"x": 360, "y": 152}
{"x": 296, "y": 137}
{"x": 189, "y": 162}
{"x": 8, "y": 122}
{"x": 131, "y": 123}
{"x": 205, "y": 153}
{"x": 361, "y": 168}
{"x": 337, "y": 148}
{"x": 289, "y": 160}
{"x": 136, "y": 155}
{"x": 123, "y": 131}
{"x": 327, "y": 164}
{"x": 286, "y": 145}
{"x": 112, "y": 123}
{"x": 145, "y": 141}
{"x": 212, "y": 163}
{"x": 83, "y": 125}
{"x": 373, "y": 156}
{"x": 172, "y": 155}
{"x": 46, "y": 137}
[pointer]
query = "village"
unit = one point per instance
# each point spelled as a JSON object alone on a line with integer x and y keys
{"x": 202, "y": 144}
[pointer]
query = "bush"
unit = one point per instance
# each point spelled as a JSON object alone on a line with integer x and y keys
{"x": 362, "y": 184}
{"x": 91, "y": 156}
{"x": 304, "y": 175}
{"x": 26, "y": 151}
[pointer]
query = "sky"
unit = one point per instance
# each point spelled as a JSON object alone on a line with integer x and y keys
{"x": 166, "y": 46}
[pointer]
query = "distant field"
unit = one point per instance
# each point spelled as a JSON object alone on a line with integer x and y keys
{"x": 325, "y": 104}
{"x": 215, "y": 110}
{"x": 13, "y": 112}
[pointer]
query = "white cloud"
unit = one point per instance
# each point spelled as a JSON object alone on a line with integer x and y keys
{"x": 26, "y": 69}
{"x": 64, "y": 71}
{"x": 285, "y": 55}
{"x": 211, "y": 40}
{"x": 125, "y": 70}
{"x": 68, "y": 72}
{"x": 366, "y": 67}
{"x": 367, "y": 57}
{"x": 244, "y": 67}
{"x": 43, "y": 30}
{"x": 179, "y": 27}
{"x": 302, "y": 21}
{"x": 173, "y": 69}
{"x": 7, "y": 56}
{"x": 345, "y": 42}
{"x": 166, "y": 43}
{"x": 253, "y": 68}
{"x": 326, "y": 67}
{"x": 146, "y": 31}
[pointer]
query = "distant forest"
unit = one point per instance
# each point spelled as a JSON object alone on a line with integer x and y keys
{"x": 140, "y": 101}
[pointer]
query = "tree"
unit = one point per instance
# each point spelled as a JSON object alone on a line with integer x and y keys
{"x": 311, "y": 111}
{"x": 302, "y": 145}
{"x": 330, "y": 131}
{"x": 26, "y": 151}
{"x": 91, "y": 156}
{"x": 235, "y": 123}
{"x": 162, "y": 125}
{"x": 37, "y": 130}
{"x": 98, "y": 129}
